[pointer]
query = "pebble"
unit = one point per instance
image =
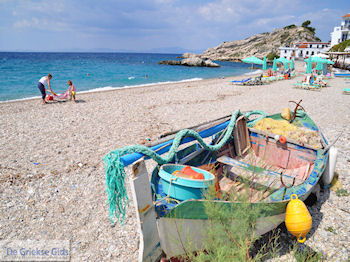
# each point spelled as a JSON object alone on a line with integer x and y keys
{"x": 109, "y": 120}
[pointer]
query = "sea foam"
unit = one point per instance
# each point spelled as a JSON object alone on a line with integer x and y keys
{"x": 109, "y": 88}
{"x": 259, "y": 71}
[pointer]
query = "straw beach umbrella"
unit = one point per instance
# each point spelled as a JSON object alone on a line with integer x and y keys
{"x": 274, "y": 65}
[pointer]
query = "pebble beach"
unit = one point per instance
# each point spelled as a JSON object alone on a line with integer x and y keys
{"x": 52, "y": 182}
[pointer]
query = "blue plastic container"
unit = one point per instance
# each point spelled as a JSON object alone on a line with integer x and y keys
{"x": 184, "y": 188}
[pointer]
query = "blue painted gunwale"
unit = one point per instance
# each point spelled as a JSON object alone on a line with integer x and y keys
{"x": 278, "y": 199}
{"x": 131, "y": 158}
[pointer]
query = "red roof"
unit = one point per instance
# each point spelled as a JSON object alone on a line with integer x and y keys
{"x": 302, "y": 46}
{"x": 319, "y": 43}
{"x": 347, "y": 15}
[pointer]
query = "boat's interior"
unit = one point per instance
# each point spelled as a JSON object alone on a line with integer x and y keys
{"x": 253, "y": 164}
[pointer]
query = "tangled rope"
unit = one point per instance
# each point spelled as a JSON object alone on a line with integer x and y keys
{"x": 114, "y": 167}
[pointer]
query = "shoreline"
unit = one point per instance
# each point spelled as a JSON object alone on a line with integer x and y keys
{"x": 111, "y": 88}
{"x": 141, "y": 86}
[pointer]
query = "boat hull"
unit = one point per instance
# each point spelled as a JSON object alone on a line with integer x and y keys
{"x": 180, "y": 228}
{"x": 181, "y": 236}
{"x": 185, "y": 230}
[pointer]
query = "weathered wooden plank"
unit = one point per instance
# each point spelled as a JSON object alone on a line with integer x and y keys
{"x": 277, "y": 156}
{"x": 241, "y": 136}
{"x": 150, "y": 248}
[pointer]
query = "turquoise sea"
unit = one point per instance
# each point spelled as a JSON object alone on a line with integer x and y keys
{"x": 20, "y": 72}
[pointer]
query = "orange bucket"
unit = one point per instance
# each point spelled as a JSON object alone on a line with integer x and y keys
{"x": 191, "y": 173}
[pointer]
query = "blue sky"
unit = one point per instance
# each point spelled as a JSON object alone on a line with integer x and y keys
{"x": 153, "y": 25}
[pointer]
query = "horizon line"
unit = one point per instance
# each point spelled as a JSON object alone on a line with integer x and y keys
{"x": 124, "y": 52}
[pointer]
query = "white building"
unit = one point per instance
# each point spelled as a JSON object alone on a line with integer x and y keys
{"x": 303, "y": 50}
{"x": 342, "y": 32}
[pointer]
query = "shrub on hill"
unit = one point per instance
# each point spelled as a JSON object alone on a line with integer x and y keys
{"x": 271, "y": 56}
{"x": 289, "y": 26}
{"x": 306, "y": 25}
{"x": 341, "y": 46}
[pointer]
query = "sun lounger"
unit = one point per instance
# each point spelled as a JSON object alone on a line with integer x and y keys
{"x": 241, "y": 82}
{"x": 346, "y": 91}
{"x": 249, "y": 81}
{"x": 268, "y": 79}
{"x": 256, "y": 81}
{"x": 320, "y": 83}
{"x": 307, "y": 86}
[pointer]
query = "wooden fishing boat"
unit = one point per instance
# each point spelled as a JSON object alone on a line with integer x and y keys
{"x": 273, "y": 171}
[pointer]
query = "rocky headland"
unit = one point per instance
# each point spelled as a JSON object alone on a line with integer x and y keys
{"x": 191, "y": 60}
{"x": 259, "y": 45}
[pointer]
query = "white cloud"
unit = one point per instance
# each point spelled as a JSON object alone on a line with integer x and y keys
{"x": 42, "y": 24}
{"x": 25, "y": 23}
{"x": 48, "y": 7}
{"x": 235, "y": 10}
{"x": 164, "y": 1}
{"x": 223, "y": 10}
{"x": 271, "y": 21}
{"x": 190, "y": 24}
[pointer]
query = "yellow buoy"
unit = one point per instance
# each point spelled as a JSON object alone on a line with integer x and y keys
{"x": 298, "y": 219}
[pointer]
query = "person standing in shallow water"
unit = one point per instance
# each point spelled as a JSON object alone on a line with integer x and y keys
{"x": 44, "y": 83}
